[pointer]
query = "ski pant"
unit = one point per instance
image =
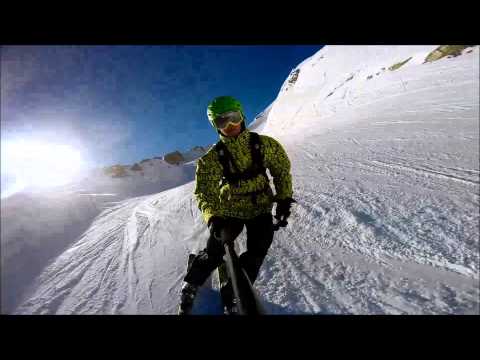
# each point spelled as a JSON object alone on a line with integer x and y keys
{"x": 259, "y": 239}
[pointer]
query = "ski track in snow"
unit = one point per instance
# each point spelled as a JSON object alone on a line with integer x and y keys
{"x": 386, "y": 220}
{"x": 122, "y": 265}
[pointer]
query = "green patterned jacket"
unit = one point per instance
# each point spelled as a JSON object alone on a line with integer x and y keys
{"x": 230, "y": 200}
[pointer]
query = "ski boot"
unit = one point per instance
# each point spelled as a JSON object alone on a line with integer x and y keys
{"x": 231, "y": 308}
{"x": 228, "y": 299}
{"x": 187, "y": 296}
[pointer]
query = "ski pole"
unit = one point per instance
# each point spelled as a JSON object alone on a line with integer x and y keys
{"x": 248, "y": 302}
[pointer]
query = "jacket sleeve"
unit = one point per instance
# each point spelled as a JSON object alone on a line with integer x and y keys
{"x": 278, "y": 163}
{"x": 207, "y": 177}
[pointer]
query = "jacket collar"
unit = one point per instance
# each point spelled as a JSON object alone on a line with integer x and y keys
{"x": 229, "y": 140}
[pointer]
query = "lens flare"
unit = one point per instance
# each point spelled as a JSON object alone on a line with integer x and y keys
{"x": 41, "y": 164}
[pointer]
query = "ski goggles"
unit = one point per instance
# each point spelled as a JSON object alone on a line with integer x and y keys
{"x": 225, "y": 119}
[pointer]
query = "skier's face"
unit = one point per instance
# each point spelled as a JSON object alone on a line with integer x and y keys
{"x": 232, "y": 130}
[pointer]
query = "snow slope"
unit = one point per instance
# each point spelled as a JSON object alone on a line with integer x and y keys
{"x": 38, "y": 225}
{"x": 386, "y": 175}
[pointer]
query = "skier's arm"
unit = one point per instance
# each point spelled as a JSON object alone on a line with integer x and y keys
{"x": 207, "y": 177}
{"x": 276, "y": 160}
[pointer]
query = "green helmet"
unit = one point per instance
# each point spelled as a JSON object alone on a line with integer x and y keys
{"x": 222, "y": 104}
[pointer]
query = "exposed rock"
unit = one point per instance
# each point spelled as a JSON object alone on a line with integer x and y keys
{"x": 136, "y": 167}
{"x": 399, "y": 65}
{"x": 445, "y": 50}
{"x": 293, "y": 77}
{"x": 116, "y": 171}
{"x": 174, "y": 158}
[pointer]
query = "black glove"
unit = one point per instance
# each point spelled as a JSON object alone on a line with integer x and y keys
{"x": 215, "y": 224}
{"x": 282, "y": 212}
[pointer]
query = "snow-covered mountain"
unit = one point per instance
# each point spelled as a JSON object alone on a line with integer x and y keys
{"x": 178, "y": 158}
{"x": 260, "y": 120}
{"x": 385, "y": 161}
{"x": 195, "y": 153}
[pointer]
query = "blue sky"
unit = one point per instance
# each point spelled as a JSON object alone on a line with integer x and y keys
{"x": 122, "y": 104}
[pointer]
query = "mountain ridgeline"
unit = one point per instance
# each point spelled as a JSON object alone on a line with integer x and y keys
{"x": 172, "y": 158}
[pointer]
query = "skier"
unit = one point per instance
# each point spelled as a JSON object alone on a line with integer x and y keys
{"x": 233, "y": 190}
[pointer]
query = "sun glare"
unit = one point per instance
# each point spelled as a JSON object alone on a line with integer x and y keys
{"x": 40, "y": 164}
